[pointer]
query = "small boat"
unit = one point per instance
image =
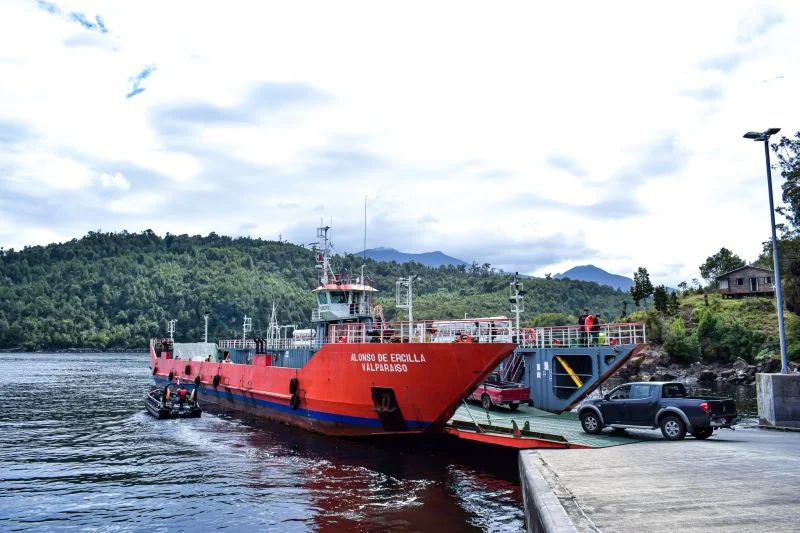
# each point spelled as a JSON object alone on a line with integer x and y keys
{"x": 172, "y": 407}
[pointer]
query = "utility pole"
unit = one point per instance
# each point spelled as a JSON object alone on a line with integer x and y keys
{"x": 764, "y": 136}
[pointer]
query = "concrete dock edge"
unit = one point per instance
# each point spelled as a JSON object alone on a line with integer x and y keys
{"x": 543, "y": 511}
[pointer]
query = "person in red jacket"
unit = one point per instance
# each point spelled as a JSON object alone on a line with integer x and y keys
{"x": 589, "y": 330}
{"x": 182, "y": 395}
{"x": 582, "y": 326}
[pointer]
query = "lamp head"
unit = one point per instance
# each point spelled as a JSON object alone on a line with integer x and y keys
{"x": 763, "y": 136}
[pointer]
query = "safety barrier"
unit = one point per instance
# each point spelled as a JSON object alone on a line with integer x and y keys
{"x": 484, "y": 330}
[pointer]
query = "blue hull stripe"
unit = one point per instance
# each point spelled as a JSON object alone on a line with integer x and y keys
{"x": 322, "y": 416}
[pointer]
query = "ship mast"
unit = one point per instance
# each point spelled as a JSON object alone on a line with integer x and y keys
{"x": 517, "y": 293}
{"x": 324, "y": 258}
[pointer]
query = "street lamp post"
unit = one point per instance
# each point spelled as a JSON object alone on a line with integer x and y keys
{"x": 764, "y": 136}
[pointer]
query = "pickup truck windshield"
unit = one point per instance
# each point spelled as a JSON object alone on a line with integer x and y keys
{"x": 673, "y": 390}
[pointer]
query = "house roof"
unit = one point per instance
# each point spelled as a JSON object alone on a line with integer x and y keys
{"x": 742, "y": 268}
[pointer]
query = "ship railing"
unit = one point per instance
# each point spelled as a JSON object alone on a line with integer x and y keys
{"x": 237, "y": 344}
{"x": 269, "y": 344}
{"x": 424, "y": 331}
{"x": 583, "y": 336}
{"x": 484, "y": 330}
{"x": 346, "y": 278}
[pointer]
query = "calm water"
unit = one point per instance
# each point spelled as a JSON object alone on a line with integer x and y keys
{"x": 78, "y": 451}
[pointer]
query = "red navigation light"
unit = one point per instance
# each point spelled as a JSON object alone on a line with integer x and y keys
{"x": 704, "y": 406}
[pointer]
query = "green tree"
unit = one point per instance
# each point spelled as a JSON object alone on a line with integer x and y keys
{"x": 642, "y": 288}
{"x": 673, "y": 305}
{"x": 787, "y": 152}
{"x": 660, "y": 299}
{"x": 719, "y": 263}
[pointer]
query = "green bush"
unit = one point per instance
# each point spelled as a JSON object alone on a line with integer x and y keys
{"x": 757, "y": 305}
{"x": 680, "y": 348}
{"x": 793, "y": 351}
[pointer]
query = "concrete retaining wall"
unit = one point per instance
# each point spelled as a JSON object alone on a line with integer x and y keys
{"x": 543, "y": 512}
{"x": 778, "y": 400}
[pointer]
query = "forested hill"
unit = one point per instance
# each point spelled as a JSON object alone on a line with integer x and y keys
{"x": 116, "y": 290}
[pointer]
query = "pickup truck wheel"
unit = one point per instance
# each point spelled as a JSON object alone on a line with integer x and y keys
{"x": 673, "y": 428}
{"x": 513, "y": 406}
{"x": 703, "y": 433}
{"x": 486, "y": 402}
{"x": 591, "y": 423}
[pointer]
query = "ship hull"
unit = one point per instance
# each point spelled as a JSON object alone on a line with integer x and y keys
{"x": 348, "y": 389}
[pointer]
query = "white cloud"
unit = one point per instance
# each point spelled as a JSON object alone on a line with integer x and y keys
{"x": 450, "y": 116}
{"x": 137, "y": 203}
{"x": 117, "y": 181}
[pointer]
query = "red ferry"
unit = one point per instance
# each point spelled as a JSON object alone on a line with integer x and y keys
{"x": 351, "y": 374}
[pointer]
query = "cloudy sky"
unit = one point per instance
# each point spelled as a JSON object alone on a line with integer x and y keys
{"x": 534, "y": 137}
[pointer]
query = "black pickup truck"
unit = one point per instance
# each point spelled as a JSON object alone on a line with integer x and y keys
{"x": 657, "y": 404}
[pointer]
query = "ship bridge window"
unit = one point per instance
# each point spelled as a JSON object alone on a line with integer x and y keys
{"x": 338, "y": 297}
{"x": 322, "y": 298}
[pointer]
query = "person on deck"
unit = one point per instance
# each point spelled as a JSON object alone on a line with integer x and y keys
{"x": 227, "y": 358}
{"x": 582, "y": 326}
{"x": 596, "y": 329}
{"x": 589, "y": 324}
{"x": 182, "y": 395}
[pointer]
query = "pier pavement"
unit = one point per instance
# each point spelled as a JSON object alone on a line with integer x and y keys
{"x": 744, "y": 480}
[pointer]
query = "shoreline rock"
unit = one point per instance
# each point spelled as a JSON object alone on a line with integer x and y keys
{"x": 653, "y": 364}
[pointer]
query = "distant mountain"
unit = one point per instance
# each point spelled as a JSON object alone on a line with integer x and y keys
{"x": 598, "y": 275}
{"x": 431, "y": 259}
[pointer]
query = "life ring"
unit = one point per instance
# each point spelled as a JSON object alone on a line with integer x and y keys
{"x": 293, "y": 385}
{"x": 215, "y": 381}
{"x": 171, "y": 376}
{"x": 294, "y": 402}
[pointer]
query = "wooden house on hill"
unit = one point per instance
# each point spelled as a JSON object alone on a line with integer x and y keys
{"x": 746, "y": 281}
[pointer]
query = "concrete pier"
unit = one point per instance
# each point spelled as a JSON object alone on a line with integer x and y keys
{"x": 747, "y": 480}
{"x": 778, "y": 400}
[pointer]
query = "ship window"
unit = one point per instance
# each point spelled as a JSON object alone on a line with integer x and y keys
{"x": 338, "y": 297}
{"x": 322, "y": 297}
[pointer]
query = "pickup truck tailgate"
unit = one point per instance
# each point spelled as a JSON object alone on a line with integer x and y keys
{"x": 722, "y": 408}
{"x": 520, "y": 394}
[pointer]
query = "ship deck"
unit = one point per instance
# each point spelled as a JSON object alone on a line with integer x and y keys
{"x": 545, "y": 430}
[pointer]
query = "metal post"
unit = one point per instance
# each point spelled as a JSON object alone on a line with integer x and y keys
{"x": 778, "y": 291}
{"x": 205, "y": 331}
{"x": 410, "y": 303}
